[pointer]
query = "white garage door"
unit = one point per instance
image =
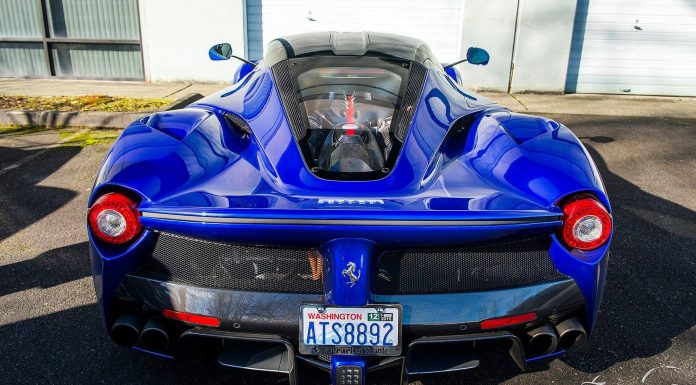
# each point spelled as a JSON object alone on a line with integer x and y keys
{"x": 645, "y": 47}
{"x": 437, "y": 22}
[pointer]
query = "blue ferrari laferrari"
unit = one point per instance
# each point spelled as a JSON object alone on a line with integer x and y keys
{"x": 348, "y": 206}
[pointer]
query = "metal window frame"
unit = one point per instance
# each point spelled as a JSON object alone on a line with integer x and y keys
{"x": 47, "y": 41}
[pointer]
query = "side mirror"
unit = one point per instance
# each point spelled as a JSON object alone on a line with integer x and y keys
{"x": 221, "y": 51}
{"x": 474, "y": 55}
{"x": 478, "y": 56}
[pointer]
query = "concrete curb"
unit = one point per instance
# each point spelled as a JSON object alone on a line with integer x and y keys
{"x": 57, "y": 119}
{"x": 537, "y": 104}
{"x": 599, "y": 105}
{"x": 92, "y": 119}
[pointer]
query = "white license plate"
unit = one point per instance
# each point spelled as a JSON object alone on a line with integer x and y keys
{"x": 373, "y": 330}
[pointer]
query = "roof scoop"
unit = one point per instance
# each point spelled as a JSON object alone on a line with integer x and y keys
{"x": 349, "y": 43}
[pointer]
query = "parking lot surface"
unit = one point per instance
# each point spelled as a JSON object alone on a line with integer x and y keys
{"x": 51, "y": 331}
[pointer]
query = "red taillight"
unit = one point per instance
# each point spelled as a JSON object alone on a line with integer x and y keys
{"x": 586, "y": 223}
{"x": 191, "y": 318}
{"x": 495, "y": 323}
{"x": 114, "y": 219}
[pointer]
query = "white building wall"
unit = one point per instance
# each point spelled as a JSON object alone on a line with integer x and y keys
{"x": 650, "y": 50}
{"x": 178, "y": 33}
{"x": 437, "y": 22}
{"x": 489, "y": 25}
{"x": 542, "y": 48}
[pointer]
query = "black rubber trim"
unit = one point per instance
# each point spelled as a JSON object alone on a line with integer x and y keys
{"x": 283, "y": 80}
{"x": 416, "y": 79}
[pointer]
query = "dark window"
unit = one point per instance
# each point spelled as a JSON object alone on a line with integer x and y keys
{"x": 97, "y": 39}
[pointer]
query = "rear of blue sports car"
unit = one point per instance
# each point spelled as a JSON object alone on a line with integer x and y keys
{"x": 347, "y": 206}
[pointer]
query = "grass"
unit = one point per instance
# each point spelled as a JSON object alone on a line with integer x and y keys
{"x": 81, "y": 103}
{"x": 12, "y": 129}
{"x": 87, "y": 137}
{"x": 71, "y": 136}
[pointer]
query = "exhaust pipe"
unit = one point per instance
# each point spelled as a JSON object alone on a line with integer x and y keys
{"x": 126, "y": 330}
{"x": 542, "y": 340}
{"x": 571, "y": 334}
{"x": 154, "y": 336}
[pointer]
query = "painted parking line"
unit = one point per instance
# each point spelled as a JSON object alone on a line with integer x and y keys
{"x": 35, "y": 155}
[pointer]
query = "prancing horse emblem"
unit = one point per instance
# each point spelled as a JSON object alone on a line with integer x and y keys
{"x": 350, "y": 273}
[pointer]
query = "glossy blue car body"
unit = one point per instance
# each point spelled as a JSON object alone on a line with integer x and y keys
{"x": 501, "y": 177}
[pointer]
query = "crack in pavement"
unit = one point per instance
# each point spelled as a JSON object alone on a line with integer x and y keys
{"x": 520, "y": 102}
{"x": 177, "y": 91}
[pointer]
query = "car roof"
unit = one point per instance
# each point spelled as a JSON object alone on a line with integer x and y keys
{"x": 348, "y": 44}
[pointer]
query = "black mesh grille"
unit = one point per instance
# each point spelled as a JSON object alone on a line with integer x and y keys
{"x": 425, "y": 271}
{"x": 481, "y": 268}
{"x": 411, "y": 96}
{"x": 219, "y": 265}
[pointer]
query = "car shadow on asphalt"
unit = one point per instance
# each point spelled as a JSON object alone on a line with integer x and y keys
{"x": 22, "y": 200}
{"x": 646, "y": 304}
{"x": 648, "y": 298}
{"x": 73, "y": 347}
{"x": 52, "y": 268}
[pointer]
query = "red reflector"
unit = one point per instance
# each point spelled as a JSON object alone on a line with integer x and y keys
{"x": 191, "y": 318}
{"x": 495, "y": 323}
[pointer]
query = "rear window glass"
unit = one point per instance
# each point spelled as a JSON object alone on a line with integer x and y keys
{"x": 348, "y": 113}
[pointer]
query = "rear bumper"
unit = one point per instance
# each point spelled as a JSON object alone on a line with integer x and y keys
{"x": 428, "y": 319}
{"x": 586, "y": 269}
{"x": 274, "y": 353}
{"x": 278, "y": 313}
{"x": 266, "y": 324}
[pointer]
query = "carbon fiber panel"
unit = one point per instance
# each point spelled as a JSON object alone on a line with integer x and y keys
{"x": 219, "y": 265}
{"x": 466, "y": 269}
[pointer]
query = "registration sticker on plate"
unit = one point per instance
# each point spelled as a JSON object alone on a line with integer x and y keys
{"x": 373, "y": 330}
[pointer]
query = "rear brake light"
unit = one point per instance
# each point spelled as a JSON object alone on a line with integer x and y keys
{"x": 191, "y": 318}
{"x": 114, "y": 219}
{"x": 586, "y": 223}
{"x": 495, "y": 323}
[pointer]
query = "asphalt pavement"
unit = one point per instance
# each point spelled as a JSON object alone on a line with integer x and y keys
{"x": 51, "y": 331}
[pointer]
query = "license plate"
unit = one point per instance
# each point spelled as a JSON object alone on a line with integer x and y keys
{"x": 373, "y": 330}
